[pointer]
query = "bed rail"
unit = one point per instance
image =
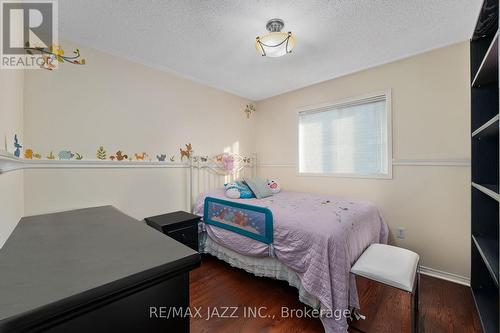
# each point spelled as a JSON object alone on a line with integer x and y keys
{"x": 247, "y": 220}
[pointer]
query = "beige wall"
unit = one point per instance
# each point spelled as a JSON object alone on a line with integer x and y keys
{"x": 430, "y": 107}
{"x": 11, "y": 119}
{"x": 123, "y": 105}
{"x": 127, "y": 106}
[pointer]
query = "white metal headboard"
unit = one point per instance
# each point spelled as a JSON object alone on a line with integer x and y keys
{"x": 207, "y": 173}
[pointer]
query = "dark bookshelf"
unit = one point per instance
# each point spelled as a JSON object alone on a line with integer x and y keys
{"x": 487, "y": 72}
{"x": 485, "y": 293}
{"x": 488, "y": 249}
{"x": 485, "y": 166}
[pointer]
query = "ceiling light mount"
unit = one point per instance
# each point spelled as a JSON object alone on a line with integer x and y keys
{"x": 275, "y": 43}
{"x": 275, "y": 25}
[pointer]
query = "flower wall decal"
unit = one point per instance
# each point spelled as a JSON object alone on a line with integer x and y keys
{"x": 54, "y": 53}
{"x": 249, "y": 110}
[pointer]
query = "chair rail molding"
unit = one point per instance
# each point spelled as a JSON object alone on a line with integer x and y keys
{"x": 451, "y": 162}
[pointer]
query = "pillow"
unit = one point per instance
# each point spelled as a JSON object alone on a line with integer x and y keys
{"x": 273, "y": 186}
{"x": 238, "y": 190}
{"x": 258, "y": 187}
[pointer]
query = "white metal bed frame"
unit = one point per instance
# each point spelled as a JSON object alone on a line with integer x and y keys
{"x": 209, "y": 172}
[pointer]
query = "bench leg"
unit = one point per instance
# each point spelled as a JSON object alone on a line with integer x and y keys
{"x": 415, "y": 303}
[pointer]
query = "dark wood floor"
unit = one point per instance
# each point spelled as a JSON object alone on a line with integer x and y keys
{"x": 216, "y": 287}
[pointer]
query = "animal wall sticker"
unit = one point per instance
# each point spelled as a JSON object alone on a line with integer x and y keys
{"x": 186, "y": 152}
{"x": 101, "y": 153}
{"x": 120, "y": 156}
{"x": 18, "y": 146}
{"x": 65, "y": 155}
{"x": 140, "y": 157}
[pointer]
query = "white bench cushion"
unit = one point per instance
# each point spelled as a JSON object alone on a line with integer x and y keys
{"x": 388, "y": 264}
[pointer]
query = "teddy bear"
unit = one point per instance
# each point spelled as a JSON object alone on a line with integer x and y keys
{"x": 273, "y": 186}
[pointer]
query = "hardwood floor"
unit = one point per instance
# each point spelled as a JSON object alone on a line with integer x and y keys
{"x": 228, "y": 293}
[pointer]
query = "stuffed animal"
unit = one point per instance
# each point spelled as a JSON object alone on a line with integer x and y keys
{"x": 238, "y": 190}
{"x": 232, "y": 190}
{"x": 273, "y": 186}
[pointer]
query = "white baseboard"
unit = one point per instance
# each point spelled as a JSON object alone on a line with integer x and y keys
{"x": 445, "y": 276}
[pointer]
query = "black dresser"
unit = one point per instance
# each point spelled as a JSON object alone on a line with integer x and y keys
{"x": 180, "y": 225}
{"x": 92, "y": 270}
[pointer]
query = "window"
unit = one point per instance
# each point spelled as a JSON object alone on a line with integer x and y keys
{"x": 349, "y": 138}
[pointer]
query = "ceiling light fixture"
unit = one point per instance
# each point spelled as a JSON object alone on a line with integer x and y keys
{"x": 275, "y": 43}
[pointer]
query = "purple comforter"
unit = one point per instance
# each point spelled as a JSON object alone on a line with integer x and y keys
{"x": 318, "y": 236}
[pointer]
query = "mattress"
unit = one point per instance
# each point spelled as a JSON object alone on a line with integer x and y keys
{"x": 317, "y": 236}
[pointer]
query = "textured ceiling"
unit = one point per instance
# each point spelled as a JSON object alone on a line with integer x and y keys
{"x": 212, "y": 41}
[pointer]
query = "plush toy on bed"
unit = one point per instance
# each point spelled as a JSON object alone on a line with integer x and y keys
{"x": 238, "y": 190}
{"x": 232, "y": 190}
{"x": 273, "y": 186}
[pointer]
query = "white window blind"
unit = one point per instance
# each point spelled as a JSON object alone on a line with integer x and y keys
{"x": 350, "y": 138}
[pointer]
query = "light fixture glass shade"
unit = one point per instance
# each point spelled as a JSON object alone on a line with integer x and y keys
{"x": 275, "y": 44}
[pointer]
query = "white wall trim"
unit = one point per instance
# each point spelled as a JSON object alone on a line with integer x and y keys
{"x": 451, "y": 162}
{"x": 8, "y": 162}
{"x": 276, "y": 165}
{"x": 445, "y": 275}
{"x": 454, "y": 162}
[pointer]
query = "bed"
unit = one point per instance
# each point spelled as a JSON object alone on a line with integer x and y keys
{"x": 316, "y": 239}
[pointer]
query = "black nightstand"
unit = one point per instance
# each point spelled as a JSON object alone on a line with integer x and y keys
{"x": 181, "y": 226}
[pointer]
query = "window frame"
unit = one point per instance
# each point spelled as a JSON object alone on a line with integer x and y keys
{"x": 317, "y": 108}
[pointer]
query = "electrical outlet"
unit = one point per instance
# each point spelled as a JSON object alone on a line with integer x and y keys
{"x": 401, "y": 233}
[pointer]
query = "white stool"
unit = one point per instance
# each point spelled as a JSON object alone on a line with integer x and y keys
{"x": 394, "y": 267}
